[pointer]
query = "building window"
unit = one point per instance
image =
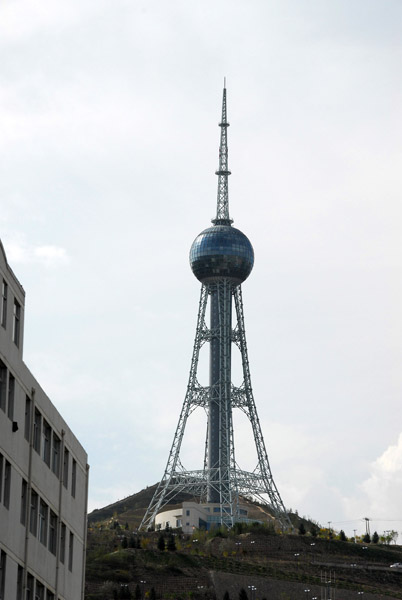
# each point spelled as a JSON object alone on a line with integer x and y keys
{"x": 33, "y": 517}
{"x": 30, "y": 587}
{"x": 74, "y": 478}
{"x": 66, "y": 461}
{"x": 16, "y": 323}
{"x": 62, "y": 543}
{"x": 2, "y": 574}
{"x": 39, "y": 591}
{"x": 52, "y": 532}
{"x": 37, "y": 430}
{"x": 20, "y": 582}
{"x": 187, "y": 513}
{"x": 11, "y": 393}
{"x": 43, "y": 517}
{"x": 3, "y": 306}
{"x": 49, "y": 595}
{"x": 56, "y": 455}
{"x": 3, "y": 386}
{"x": 27, "y": 432}
{"x": 24, "y": 498}
{"x": 5, "y": 481}
{"x": 7, "y": 484}
{"x": 1, "y": 476}
{"x": 70, "y": 551}
{"x": 47, "y": 432}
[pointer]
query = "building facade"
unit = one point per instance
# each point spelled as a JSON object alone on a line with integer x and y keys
{"x": 192, "y": 515}
{"x": 43, "y": 474}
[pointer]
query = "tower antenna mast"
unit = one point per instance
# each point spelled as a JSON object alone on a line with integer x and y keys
{"x": 221, "y": 257}
{"x": 222, "y": 209}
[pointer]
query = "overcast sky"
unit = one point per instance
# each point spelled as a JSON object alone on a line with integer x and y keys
{"x": 109, "y": 144}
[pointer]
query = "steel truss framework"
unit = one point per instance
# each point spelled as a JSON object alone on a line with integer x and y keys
{"x": 220, "y": 481}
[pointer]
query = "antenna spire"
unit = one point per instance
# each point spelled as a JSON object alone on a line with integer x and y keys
{"x": 222, "y": 210}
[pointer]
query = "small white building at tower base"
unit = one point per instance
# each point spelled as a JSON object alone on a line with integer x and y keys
{"x": 191, "y": 516}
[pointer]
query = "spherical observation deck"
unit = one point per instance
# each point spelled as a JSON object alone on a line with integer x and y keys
{"x": 221, "y": 252}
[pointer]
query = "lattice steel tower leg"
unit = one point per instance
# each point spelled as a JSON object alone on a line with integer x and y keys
{"x": 221, "y": 257}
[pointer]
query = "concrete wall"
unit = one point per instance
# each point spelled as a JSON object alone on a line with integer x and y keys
{"x": 31, "y": 559}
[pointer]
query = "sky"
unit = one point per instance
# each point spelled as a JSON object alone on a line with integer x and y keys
{"x": 109, "y": 115}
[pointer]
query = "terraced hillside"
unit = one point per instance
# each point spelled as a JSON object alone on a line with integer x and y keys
{"x": 122, "y": 564}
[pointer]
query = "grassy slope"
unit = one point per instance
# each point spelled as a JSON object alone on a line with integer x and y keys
{"x": 204, "y": 566}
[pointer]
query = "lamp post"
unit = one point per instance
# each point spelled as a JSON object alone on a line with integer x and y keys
{"x": 252, "y": 589}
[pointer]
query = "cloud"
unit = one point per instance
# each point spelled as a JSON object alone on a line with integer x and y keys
{"x": 20, "y": 252}
{"x": 379, "y": 495}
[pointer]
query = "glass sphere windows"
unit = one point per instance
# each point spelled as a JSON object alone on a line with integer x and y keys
{"x": 220, "y": 252}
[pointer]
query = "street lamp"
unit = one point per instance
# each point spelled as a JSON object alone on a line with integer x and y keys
{"x": 252, "y": 589}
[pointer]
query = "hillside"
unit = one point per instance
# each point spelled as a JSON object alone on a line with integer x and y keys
{"x": 122, "y": 563}
{"x": 131, "y": 509}
{"x": 205, "y": 566}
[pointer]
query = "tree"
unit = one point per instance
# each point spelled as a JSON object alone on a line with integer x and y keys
{"x": 124, "y": 542}
{"x": 161, "y": 543}
{"x": 243, "y": 594}
{"x": 152, "y": 594}
{"x": 226, "y": 596}
{"x": 171, "y": 543}
{"x": 366, "y": 538}
{"x": 238, "y": 528}
{"x": 375, "y": 538}
{"x": 137, "y": 592}
{"x": 342, "y": 536}
{"x": 313, "y": 530}
{"x": 390, "y": 536}
{"x": 124, "y": 591}
{"x": 302, "y": 529}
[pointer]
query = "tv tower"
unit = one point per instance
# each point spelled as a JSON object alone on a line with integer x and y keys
{"x": 221, "y": 257}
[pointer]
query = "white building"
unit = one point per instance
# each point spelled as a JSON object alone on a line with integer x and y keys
{"x": 43, "y": 474}
{"x": 192, "y": 515}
